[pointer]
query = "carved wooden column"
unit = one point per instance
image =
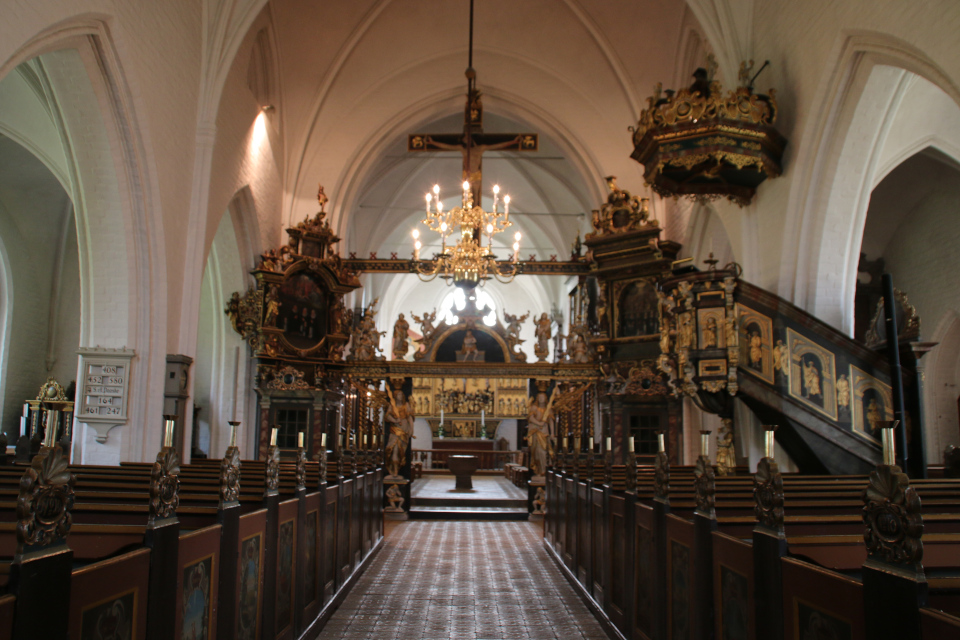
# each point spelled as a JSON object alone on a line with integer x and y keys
{"x": 228, "y": 515}
{"x": 163, "y": 537}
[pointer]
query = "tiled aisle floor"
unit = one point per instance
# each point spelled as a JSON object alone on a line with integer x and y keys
{"x": 463, "y": 580}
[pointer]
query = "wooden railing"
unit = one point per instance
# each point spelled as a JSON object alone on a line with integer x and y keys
{"x": 489, "y": 460}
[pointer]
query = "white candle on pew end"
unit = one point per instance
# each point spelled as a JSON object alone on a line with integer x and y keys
{"x": 26, "y": 409}
{"x": 236, "y": 380}
{"x": 609, "y": 443}
{"x": 323, "y": 441}
{"x": 591, "y": 443}
{"x": 300, "y": 439}
{"x": 273, "y": 437}
{"x": 630, "y": 444}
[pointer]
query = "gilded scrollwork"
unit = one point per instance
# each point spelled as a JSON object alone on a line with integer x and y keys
{"x": 272, "y": 470}
{"x": 621, "y": 212}
{"x": 287, "y": 378}
{"x": 230, "y": 477}
{"x": 164, "y": 486}
{"x": 891, "y": 514}
{"x": 768, "y": 496}
{"x": 704, "y": 484}
{"x": 44, "y": 501}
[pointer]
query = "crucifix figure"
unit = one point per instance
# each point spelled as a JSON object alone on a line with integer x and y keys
{"x": 473, "y": 142}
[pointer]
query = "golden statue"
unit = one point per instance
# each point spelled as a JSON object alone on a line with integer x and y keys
{"x": 726, "y": 456}
{"x": 539, "y": 426}
{"x": 400, "y": 415}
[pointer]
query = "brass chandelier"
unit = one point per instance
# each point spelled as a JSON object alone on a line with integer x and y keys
{"x": 467, "y": 263}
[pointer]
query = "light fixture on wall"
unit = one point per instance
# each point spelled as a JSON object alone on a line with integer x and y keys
{"x": 467, "y": 263}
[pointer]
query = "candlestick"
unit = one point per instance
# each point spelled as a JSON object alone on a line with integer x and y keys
{"x": 273, "y": 437}
{"x": 768, "y": 444}
{"x": 236, "y": 379}
{"x": 233, "y": 432}
{"x": 169, "y": 427}
{"x": 705, "y": 443}
{"x": 53, "y": 422}
{"x": 300, "y": 439}
{"x": 889, "y": 444}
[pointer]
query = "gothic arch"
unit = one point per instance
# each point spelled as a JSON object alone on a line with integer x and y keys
{"x": 837, "y": 163}
{"x": 119, "y": 232}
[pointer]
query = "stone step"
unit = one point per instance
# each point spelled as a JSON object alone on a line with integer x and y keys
{"x": 467, "y": 513}
{"x": 455, "y": 501}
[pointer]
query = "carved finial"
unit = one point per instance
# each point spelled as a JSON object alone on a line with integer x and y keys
{"x": 891, "y": 513}
{"x": 272, "y": 471}
{"x": 230, "y": 478}
{"x": 164, "y": 486}
{"x": 704, "y": 482}
{"x": 768, "y": 496}
{"x": 44, "y": 502}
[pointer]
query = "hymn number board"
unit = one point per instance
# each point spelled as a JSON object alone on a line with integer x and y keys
{"x": 103, "y": 393}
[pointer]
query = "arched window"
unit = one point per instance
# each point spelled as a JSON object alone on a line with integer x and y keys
{"x": 456, "y": 300}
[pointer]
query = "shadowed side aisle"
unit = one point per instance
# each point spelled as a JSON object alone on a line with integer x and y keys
{"x": 470, "y": 580}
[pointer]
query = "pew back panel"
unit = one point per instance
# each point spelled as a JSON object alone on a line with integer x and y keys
{"x": 197, "y": 586}
{"x": 818, "y": 602}
{"x": 109, "y": 598}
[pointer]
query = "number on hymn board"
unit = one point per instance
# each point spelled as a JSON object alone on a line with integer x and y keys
{"x": 117, "y": 380}
{"x": 108, "y": 369}
{"x": 94, "y": 379}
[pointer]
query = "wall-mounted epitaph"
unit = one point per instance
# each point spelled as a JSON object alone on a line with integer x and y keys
{"x": 104, "y": 387}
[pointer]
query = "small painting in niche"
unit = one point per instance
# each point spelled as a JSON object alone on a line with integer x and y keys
{"x": 248, "y": 614}
{"x": 872, "y": 403}
{"x": 302, "y": 313}
{"x": 196, "y": 600}
{"x": 285, "y": 575}
{"x": 733, "y": 602}
{"x": 679, "y": 591}
{"x": 639, "y": 315}
{"x": 815, "y": 624}
{"x": 111, "y": 619}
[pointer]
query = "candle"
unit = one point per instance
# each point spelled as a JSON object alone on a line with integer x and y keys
{"x": 483, "y": 422}
{"x": 705, "y": 443}
{"x": 441, "y": 416}
{"x": 273, "y": 437}
{"x": 591, "y": 443}
{"x": 26, "y": 409}
{"x": 236, "y": 379}
{"x": 323, "y": 441}
{"x": 609, "y": 443}
{"x": 564, "y": 443}
{"x": 364, "y": 441}
{"x": 23, "y": 426}
{"x": 630, "y": 444}
{"x": 233, "y": 433}
{"x": 889, "y": 444}
{"x": 300, "y": 439}
{"x": 661, "y": 445}
{"x": 53, "y": 420}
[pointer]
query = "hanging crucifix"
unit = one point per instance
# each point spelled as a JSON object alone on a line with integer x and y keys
{"x": 473, "y": 142}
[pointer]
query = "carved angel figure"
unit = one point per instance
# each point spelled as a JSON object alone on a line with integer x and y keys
{"x": 426, "y": 323}
{"x": 542, "y": 348}
{"x": 233, "y": 311}
{"x": 513, "y": 327}
{"x": 400, "y": 343}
